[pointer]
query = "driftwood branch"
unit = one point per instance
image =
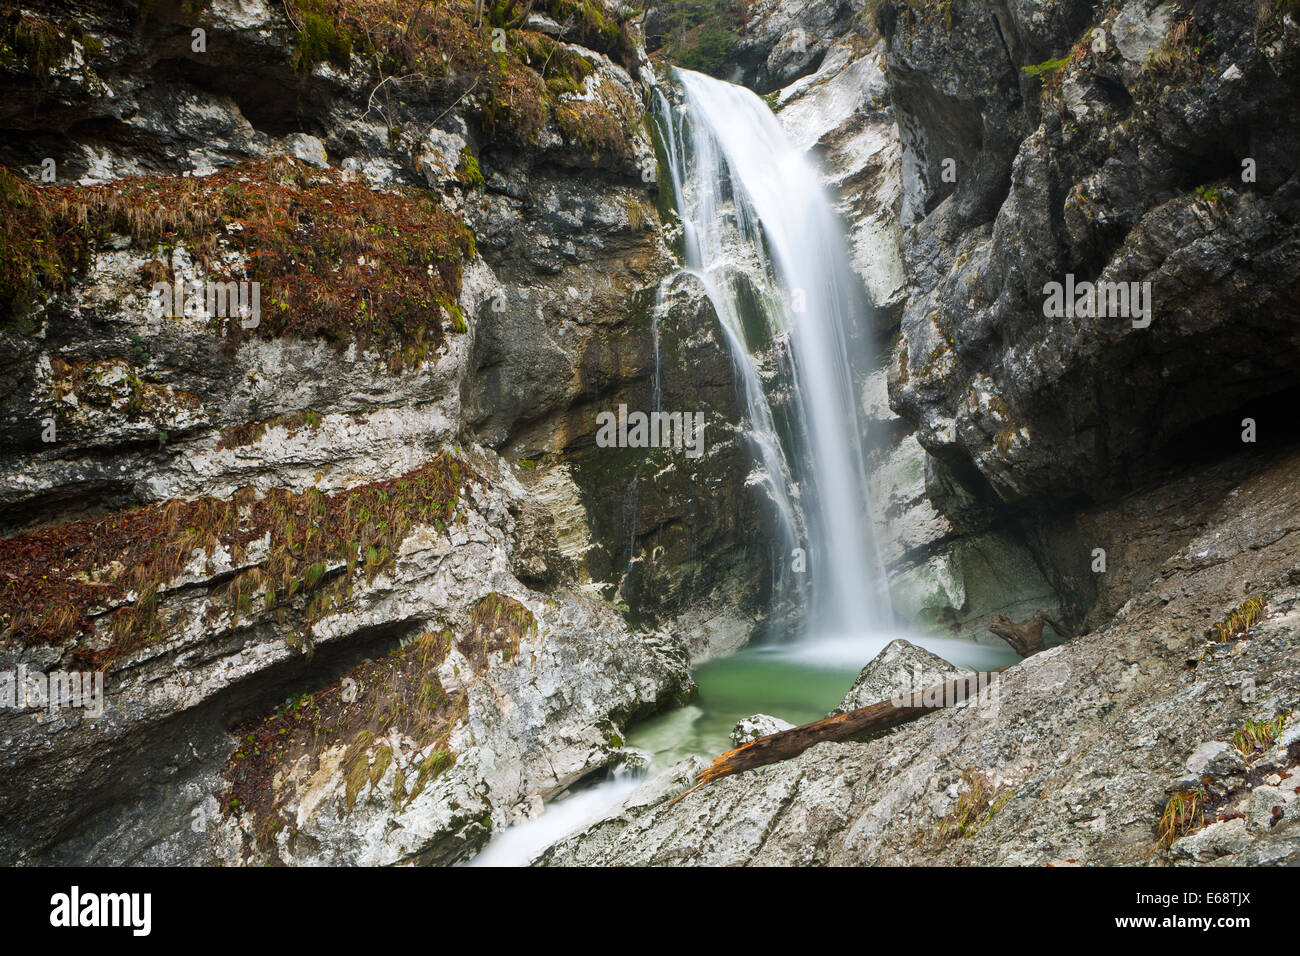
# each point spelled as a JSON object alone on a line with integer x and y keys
{"x": 856, "y": 723}
{"x": 1026, "y": 637}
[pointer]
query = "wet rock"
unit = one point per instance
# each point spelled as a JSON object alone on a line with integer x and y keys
{"x": 759, "y": 725}
{"x": 783, "y": 40}
{"x": 995, "y": 386}
{"x": 1214, "y": 757}
{"x": 901, "y": 668}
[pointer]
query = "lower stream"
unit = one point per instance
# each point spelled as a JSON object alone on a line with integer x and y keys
{"x": 797, "y": 681}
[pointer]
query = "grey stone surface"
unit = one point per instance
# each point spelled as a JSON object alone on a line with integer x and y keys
{"x": 759, "y": 725}
{"x": 901, "y": 668}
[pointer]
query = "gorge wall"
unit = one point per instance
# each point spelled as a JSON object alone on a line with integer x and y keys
{"x": 981, "y": 151}
{"x": 459, "y": 250}
{"x": 360, "y": 584}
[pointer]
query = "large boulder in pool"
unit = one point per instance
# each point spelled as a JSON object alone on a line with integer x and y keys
{"x": 759, "y": 725}
{"x": 901, "y": 668}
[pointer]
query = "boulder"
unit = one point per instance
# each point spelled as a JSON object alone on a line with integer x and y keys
{"x": 759, "y": 725}
{"x": 901, "y": 668}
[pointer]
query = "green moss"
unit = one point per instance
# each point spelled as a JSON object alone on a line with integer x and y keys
{"x": 515, "y": 88}
{"x": 239, "y": 436}
{"x": 637, "y": 217}
{"x": 320, "y": 40}
{"x": 665, "y": 199}
{"x": 597, "y": 127}
{"x": 500, "y": 623}
{"x": 468, "y": 171}
{"x": 458, "y": 323}
{"x": 432, "y": 767}
{"x": 396, "y": 693}
{"x": 40, "y": 249}
{"x": 605, "y": 33}
{"x": 55, "y": 581}
{"x": 344, "y": 262}
{"x": 1210, "y": 195}
{"x": 33, "y": 44}
{"x": 882, "y": 12}
{"x": 1047, "y": 67}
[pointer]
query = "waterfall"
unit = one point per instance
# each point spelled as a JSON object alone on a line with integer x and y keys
{"x": 761, "y": 235}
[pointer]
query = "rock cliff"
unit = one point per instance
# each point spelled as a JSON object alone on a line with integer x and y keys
{"x": 447, "y": 239}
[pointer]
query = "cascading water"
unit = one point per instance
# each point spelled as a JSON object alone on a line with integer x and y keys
{"x": 761, "y": 235}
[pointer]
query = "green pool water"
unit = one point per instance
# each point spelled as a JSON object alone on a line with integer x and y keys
{"x": 796, "y": 682}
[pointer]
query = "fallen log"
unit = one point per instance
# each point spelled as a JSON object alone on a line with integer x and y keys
{"x": 855, "y": 724}
{"x": 1025, "y": 638}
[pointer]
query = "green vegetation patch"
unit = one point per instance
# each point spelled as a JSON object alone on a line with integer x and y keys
{"x": 1256, "y": 736}
{"x": 1183, "y": 47}
{"x": 1238, "y": 622}
{"x": 500, "y": 623}
{"x": 978, "y": 802}
{"x": 511, "y": 77}
{"x": 248, "y": 433}
{"x": 338, "y": 259}
{"x": 320, "y": 40}
{"x": 58, "y": 581}
{"x": 702, "y": 33}
{"x": 35, "y": 46}
{"x": 1183, "y": 813}
{"x": 398, "y": 692}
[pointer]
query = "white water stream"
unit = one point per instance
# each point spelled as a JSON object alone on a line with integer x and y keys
{"x": 761, "y": 234}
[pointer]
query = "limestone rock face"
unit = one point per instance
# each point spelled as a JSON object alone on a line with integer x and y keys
{"x": 531, "y": 729}
{"x": 786, "y": 39}
{"x": 1113, "y": 165}
{"x": 111, "y": 410}
{"x": 981, "y": 153}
